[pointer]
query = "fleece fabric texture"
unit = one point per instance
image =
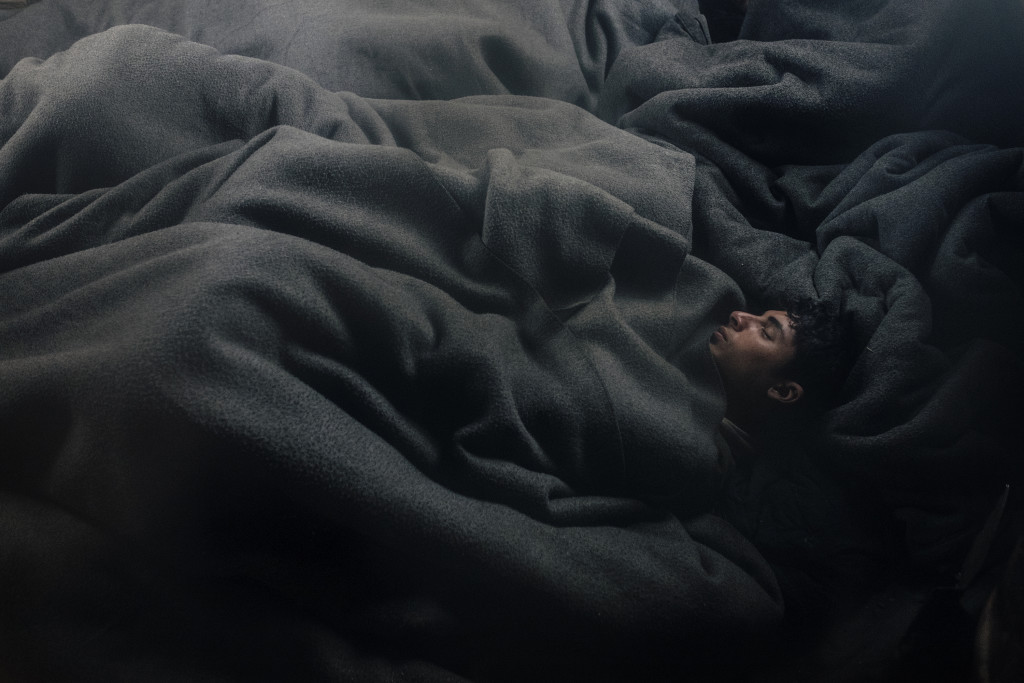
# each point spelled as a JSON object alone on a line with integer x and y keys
{"x": 242, "y": 325}
{"x": 400, "y": 49}
{"x": 362, "y": 341}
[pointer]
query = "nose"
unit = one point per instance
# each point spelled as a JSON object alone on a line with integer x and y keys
{"x": 739, "y": 319}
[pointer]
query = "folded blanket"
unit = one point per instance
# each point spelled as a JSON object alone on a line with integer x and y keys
{"x": 867, "y": 154}
{"x": 309, "y": 377}
{"x": 836, "y": 159}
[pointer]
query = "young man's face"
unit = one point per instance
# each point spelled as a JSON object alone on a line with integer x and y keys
{"x": 751, "y": 352}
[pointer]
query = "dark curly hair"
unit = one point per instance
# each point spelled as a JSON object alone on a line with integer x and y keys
{"x": 822, "y": 357}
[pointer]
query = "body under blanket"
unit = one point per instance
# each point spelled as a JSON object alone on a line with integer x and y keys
{"x": 261, "y": 335}
{"x": 299, "y": 383}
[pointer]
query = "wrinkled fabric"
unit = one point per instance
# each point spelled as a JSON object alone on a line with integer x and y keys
{"x": 350, "y": 342}
{"x": 401, "y": 49}
{"x": 244, "y": 323}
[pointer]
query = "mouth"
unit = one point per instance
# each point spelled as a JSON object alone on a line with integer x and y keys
{"x": 718, "y": 335}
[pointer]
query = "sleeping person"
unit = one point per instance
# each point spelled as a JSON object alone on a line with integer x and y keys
{"x": 778, "y": 368}
{"x": 770, "y": 360}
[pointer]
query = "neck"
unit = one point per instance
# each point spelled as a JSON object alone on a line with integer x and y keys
{"x": 745, "y": 417}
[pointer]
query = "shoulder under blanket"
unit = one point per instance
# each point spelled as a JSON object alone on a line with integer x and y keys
{"x": 294, "y": 382}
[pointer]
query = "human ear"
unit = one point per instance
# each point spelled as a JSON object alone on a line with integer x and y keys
{"x": 786, "y": 392}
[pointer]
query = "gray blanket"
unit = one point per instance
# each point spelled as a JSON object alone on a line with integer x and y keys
{"x": 343, "y": 342}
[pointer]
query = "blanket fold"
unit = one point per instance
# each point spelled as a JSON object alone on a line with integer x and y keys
{"x": 457, "y": 370}
{"x": 349, "y": 342}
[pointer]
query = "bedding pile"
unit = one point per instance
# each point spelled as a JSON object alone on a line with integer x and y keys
{"x": 363, "y": 341}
